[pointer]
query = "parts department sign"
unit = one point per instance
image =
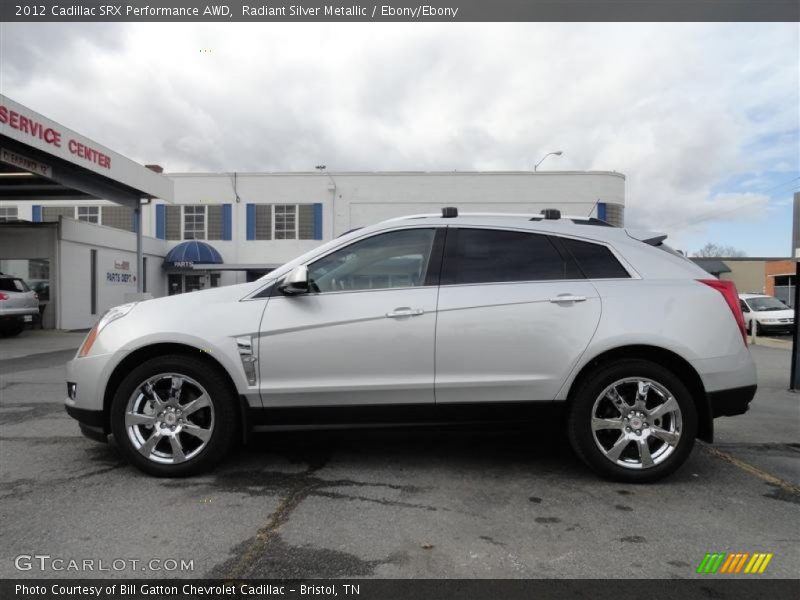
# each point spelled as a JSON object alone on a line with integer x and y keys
{"x": 121, "y": 274}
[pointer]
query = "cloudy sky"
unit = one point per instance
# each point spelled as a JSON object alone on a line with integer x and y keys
{"x": 703, "y": 119}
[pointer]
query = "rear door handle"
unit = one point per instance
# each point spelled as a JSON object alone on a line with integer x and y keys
{"x": 567, "y": 298}
{"x": 404, "y": 311}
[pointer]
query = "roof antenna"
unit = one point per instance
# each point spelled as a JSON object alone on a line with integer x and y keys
{"x": 593, "y": 207}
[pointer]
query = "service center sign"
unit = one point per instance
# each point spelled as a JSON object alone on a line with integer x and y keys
{"x": 28, "y": 127}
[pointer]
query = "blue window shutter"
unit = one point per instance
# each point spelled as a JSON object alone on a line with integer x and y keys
{"x": 161, "y": 221}
{"x": 227, "y": 222}
{"x": 36, "y": 213}
{"x": 251, "y": 221}
{"x": 601, "y": 211}
{"x": 317, "y": 220}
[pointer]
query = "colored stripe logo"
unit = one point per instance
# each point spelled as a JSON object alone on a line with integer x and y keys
{"x": 735, "y": 563}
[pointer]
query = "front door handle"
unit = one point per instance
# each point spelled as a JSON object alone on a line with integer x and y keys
{"x": 404, "y": 311}
{"x": 567, "y": 298}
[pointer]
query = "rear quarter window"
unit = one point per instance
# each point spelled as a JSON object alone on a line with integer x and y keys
{"x": 8, "y": 284}
{"x": 596, "y": 261}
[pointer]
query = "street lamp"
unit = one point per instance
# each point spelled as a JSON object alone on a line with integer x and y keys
{"x": 556, "y": 153}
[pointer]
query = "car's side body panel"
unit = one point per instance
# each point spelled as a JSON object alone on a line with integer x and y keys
{"x": 682, "y": 316}
{"x": 341, "y": 348}
{"x": 502, "y": 342}
{"x": 208, "y": 321}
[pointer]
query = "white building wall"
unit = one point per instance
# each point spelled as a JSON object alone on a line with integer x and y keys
{"x": 353, "y": 200}
{"x": 76, "y": 241}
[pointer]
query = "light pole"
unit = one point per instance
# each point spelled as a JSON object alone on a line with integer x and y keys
{"x": 556, "y": 153}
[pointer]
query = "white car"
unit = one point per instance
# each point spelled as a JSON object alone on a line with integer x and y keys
{"x": 18, "y": 305}
{"x": 435, "y": 318}
{"x": 766, "y": 313}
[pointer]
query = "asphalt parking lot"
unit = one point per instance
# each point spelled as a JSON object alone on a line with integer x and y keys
{"x": 425, "y": 503}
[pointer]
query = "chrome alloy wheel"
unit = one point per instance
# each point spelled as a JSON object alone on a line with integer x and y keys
{"x": 636, "y": 423}
{"x": 169, "y": 418}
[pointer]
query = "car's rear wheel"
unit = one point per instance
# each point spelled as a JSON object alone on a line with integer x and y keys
{"x": 632, "y": 421}
{"x": 174, "y": 416}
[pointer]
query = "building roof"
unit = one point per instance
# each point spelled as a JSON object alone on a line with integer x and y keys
{"x": 715, "y": 266}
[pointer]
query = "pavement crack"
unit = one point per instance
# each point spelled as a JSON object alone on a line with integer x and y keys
{"x": 258, "y": 546}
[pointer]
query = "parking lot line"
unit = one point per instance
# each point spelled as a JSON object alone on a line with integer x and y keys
{"x": 753, "y": 470}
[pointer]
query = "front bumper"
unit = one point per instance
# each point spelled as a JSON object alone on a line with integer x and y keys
{"x": 775, "y": 328}
{"x": 86, "y": 380}
{"x": 91, "y": 422}
{"x": 732, "y": 402}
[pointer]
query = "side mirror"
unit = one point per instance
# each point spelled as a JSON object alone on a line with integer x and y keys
{"x": 296, "y": 282}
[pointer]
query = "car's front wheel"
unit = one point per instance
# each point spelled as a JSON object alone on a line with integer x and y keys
{"x": 632, "y": 421}
{"x": 174, "y": 416}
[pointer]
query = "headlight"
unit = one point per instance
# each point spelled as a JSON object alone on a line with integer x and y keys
{"x": 769, "y": 320}
{"x": 110, "y": 316}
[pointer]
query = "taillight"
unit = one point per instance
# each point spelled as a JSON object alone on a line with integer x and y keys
{"x": 3, "y": 296}
{"x": 728, "y": 291}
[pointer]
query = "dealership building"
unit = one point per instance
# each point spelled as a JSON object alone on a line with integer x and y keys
{"x": 89, "y": 228}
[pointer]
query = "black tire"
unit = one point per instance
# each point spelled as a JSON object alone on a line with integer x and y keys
{"x": 12, "y": 330}
{"x": 579, "y": 419}
{"x": 222, "y": 399}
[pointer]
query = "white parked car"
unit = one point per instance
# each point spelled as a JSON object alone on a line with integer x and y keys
{"x": 18, "y": 305}
{"x": 431, "y": 318}
{"x": 766, "y": 313}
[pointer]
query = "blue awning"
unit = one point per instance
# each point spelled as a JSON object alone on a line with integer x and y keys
{"x": 186, "y": 254}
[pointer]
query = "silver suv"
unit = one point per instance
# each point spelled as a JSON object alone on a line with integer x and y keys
{"x": 437, "y": 318}
{"x": 18, "y": 305}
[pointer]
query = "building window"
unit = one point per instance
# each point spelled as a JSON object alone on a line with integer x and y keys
{"x": 52, "y": 213}
{"x": 263, "y": 219}
{"x": 194, "y": 222}
{"x": 172, "y": 218}
{"x": 119, "y": 217}
{"x": 90, "y": 214}
{"x": 285, "y": 221}
{"x": 215, "y": 222}
{"x": 305, "y": 219}
{"x": 8, "y": 213}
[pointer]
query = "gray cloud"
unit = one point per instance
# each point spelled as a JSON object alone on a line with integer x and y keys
{"x": 678, "y": 108}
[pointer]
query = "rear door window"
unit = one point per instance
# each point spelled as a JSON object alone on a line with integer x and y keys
{"x": 7, "y": 284}
{"x": 495, "y": 255}
{"x": 594, "y": 260}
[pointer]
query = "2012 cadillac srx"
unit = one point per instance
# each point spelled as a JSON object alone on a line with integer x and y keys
{"x": 431, "y": 318}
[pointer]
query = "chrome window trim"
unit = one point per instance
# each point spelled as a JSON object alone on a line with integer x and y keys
{"x": 634, "y": 275}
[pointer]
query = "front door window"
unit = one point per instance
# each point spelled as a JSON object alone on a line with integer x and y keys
{"x": 397, "y": 259}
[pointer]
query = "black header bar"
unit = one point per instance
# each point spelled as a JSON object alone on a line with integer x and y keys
{"x": 400, "y": 11}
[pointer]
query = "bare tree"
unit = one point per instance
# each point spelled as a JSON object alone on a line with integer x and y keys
{"x": 711, "y": 250}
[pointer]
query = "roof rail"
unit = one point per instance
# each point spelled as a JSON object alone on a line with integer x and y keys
{"x": 582, "y": 219}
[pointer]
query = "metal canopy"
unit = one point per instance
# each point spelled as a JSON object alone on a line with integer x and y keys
{"x": 42, "y": 160}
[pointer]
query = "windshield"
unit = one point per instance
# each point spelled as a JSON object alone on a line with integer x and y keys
{"x": 766, "y": 303}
